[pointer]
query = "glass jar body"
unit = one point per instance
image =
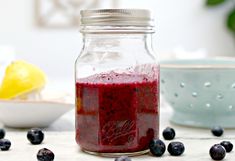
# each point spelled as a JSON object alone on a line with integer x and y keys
{"x": 117, "y": 94}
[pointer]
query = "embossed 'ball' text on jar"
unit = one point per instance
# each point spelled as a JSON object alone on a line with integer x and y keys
{"x": 117, "y": 83}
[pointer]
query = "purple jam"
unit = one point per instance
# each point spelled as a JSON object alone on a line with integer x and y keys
{"x": 116, "y": 113}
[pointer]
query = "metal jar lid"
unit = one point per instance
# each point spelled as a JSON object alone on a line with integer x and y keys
{"x": 119, "y": 17}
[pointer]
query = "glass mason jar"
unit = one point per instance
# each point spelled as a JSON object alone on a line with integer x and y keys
{"x": 117, "y": 83}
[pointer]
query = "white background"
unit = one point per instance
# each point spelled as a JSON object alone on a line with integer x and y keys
{"x": 179, "y": 23}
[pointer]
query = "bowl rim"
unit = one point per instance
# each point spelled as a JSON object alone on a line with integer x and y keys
{"x": 36, "y": 101}
{"x": 199, "y": 63}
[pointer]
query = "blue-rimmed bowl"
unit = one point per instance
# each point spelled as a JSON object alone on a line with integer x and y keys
{"x": 201, "y": 92}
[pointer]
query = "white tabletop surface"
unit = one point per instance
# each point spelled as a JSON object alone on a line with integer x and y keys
{"x": 60, "y": 138}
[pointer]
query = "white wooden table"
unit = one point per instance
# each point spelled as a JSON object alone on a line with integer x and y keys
{"x": 60, "y": 139}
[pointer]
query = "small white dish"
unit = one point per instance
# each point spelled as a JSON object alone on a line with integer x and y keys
{"x": 27, "y": 114}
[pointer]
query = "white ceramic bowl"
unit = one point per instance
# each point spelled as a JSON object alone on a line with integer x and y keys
{"x": 27, "y": 114}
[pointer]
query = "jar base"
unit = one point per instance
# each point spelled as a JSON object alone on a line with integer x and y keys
{"x": 117, "y": 154}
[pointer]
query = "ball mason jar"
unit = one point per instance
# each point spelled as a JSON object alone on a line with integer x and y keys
{"x": 117, "y": 83}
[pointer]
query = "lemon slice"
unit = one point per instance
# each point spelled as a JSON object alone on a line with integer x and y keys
{"x": 21, "y": 78}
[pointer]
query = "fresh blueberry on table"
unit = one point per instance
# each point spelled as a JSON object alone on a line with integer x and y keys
{"x": 5, "y": 144}
{"x": 157, "y": 147}
{"x": 168, "y": 133}
{"x": 217, "y": 152}
{"x": 2, "y": 133}
{"x": 176, "y": 148}
{"x": 227, "y": 145}
{"x": 123, "y": 158}
{"x": 45, "y": 155}
{"x": 35, "y": 136}
{"x": 217, "y": 131}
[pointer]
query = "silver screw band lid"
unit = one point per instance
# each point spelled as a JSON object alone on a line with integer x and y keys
{"x": 119, "y": 17}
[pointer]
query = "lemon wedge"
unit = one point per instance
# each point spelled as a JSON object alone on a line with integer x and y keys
{"x": 21, "y": 78}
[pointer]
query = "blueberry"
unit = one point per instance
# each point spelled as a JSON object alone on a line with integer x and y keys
{"x": 217, "y": 152}
{"x": 168, "y": 133}
{"x": 123, "y": 158}
{"x": 2, "y": 133}
{"x": 35, "y": 136}
{"x": 176, "y": 148}
{"x": 227, "y": 145}
{"x": 217, "y": 131}
{"x": 45, "y": 155}
{"x": 157, "y": 147}
{"x": 5, "y": 144}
